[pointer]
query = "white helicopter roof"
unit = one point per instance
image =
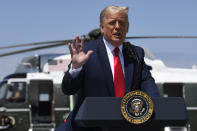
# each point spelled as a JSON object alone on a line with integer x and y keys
{"x": 56, "y": 77}
{"x": 163, "y": 74}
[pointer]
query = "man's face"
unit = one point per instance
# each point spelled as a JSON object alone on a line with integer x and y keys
{"x": 114, "y": 28}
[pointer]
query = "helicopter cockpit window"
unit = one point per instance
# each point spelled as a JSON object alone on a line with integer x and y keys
{"x": 16, "y": 92}
{"x": 3, "y": 87}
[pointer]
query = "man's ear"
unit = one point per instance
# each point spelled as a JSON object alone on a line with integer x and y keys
{"x": 101, "y": 28}
{"x": 128, "y": 28}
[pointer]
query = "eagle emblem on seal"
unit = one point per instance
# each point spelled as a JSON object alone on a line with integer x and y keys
{"x": 137, "y": 107}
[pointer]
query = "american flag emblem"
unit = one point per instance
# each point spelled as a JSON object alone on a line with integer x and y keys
{"x": 58, "y": 65}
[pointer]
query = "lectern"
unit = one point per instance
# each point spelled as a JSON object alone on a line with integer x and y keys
{"x": 105, "y": 113}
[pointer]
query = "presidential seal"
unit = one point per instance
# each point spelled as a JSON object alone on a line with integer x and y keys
{"x": 137, "y": 107}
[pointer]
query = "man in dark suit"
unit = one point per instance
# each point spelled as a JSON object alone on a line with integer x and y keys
{"x": 93, "y": 71}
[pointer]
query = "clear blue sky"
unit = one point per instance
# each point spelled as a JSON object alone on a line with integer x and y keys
{"x": 23, "y": 21}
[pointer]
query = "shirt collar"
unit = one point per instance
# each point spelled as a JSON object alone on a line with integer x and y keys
{"x": 110, "y": 48}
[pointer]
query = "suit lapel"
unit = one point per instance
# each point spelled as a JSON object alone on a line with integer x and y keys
{"x": 104, "y": 60}
{"x": 128, "y": 77}
{"x": 129, "y": 63}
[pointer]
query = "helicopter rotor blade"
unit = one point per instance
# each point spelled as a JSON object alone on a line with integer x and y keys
{"x": 36, "y": 48}
{"x": 51, "y": 44}
{"x": 32, "y": 44}
{"x": 129, "y": 37}
{"x": 161, "y": 37}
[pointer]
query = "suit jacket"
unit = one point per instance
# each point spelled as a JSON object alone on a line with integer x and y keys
{"x": 96, "y": 80}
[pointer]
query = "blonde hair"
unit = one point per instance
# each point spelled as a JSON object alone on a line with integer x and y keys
{"x": 117, "y": 9}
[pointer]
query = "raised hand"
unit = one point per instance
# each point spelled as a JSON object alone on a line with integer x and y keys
{"x": 78, "y": 55}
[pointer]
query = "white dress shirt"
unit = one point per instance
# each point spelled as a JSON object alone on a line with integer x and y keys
{"x": 110, "y": 53}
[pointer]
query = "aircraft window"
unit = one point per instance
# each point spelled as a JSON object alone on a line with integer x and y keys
{"x": 3, "y": 87}
{"x": 173, "y": 89}
{"x": 52, "y": 62}
{"x": 16, "y": 92}
{"x": 44, "y": 97}
{"x": 9, "y": 94}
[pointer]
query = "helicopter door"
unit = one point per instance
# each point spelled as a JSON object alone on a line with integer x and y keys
{"x": 40, "y": 98}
